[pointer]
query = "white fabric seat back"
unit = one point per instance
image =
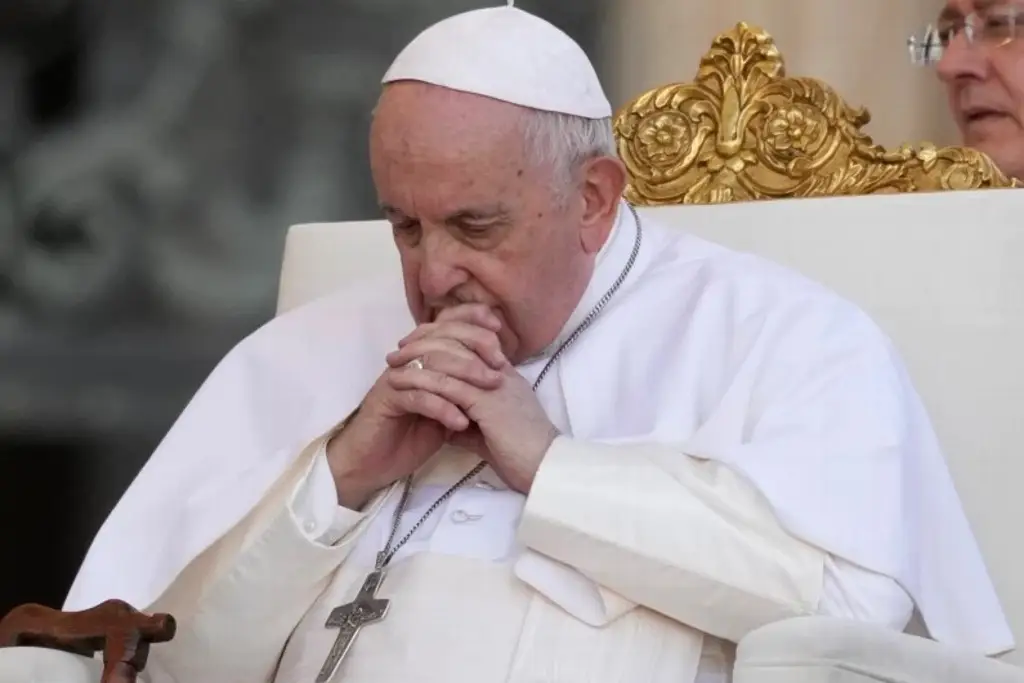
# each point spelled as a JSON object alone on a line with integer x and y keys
{"x": 943, "y": 274}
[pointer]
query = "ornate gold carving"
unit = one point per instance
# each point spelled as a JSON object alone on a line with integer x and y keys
{"x": 744, "y": 130}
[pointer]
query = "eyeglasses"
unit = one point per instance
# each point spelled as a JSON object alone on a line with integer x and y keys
{"x": 991, "y": 28}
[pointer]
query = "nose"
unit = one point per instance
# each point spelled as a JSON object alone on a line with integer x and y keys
{"x": 440, "y": 272}
{"x": 961, "y": 60}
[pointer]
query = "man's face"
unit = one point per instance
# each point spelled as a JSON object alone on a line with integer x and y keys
{"x": 473, "y": 220}
{"x": 985, "y": 81}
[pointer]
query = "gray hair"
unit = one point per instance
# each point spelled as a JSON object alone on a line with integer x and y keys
{"x": 564, "y": 142}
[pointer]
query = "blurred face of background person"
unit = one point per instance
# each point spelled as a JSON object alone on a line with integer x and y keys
{"x": 978, "y": 52}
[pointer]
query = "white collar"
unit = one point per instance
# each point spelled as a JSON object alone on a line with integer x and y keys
{"x": 608, "y": 266}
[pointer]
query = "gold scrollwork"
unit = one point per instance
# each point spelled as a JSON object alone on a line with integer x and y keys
{"x": 744, "y": 130}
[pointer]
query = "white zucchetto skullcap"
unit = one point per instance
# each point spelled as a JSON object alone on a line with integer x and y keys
{"x": 506, "y": 54}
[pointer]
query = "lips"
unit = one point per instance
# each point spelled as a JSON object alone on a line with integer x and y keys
{"x": 976, "y": 114}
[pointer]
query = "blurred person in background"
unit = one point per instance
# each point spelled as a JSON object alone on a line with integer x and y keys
{"x": 977, "y": 50}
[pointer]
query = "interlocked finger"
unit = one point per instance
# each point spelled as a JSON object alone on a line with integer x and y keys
{"x": 476, "y": 314}
{"x": 448, "y": 388}
{"x": 433, "y": 407}
{"x": 481, "y": 341}
{"x": 437, "y": 360}
{"x": 430, "y": 347}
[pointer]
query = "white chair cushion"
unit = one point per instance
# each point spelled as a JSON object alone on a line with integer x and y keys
{"x": 320, "y": 258}
{"x": 826, "y": 650}
{"x": 39, "y": 665}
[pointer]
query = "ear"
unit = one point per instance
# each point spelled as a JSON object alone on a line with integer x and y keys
{"x": 603, "y": 181}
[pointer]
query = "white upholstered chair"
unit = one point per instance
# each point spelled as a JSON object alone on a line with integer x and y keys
{"x": 943, "y": 273}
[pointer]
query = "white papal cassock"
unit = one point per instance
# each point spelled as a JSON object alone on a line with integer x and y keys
{"x": 740, "y": 446}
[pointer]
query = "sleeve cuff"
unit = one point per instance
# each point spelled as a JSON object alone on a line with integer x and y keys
{"x": 314, "y": 507}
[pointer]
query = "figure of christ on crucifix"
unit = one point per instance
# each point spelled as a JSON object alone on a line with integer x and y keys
{"x": 349, "y": 618}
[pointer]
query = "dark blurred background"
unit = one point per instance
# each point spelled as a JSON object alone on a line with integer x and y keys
{"x": 152, "y": 155}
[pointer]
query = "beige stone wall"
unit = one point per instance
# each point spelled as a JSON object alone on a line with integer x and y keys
{"x": 857, "y": 46}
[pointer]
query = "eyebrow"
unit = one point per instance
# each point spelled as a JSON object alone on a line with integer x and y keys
{"x": 496, "y": 211}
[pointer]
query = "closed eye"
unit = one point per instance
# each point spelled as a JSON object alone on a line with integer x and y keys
{"x": 478, "y": 221}
{"x": 406, "y": 230}
{"x": 475, "y": 229}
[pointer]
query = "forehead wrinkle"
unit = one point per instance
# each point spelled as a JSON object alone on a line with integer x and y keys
{"x": 478, "y": 212}
{"x": 462, "y": 166}
{"x": 448, "y": 196}
{"x": 436, "y": 149}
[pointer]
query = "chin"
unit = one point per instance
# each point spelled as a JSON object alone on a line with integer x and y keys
{"x": 1008, "y": 158}
{"x": 993, "y": 146}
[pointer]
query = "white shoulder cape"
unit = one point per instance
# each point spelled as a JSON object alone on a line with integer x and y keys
{"x": 768, "y": 344}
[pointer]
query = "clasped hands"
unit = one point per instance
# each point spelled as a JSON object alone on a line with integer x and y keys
{"x": 466, "y": 393}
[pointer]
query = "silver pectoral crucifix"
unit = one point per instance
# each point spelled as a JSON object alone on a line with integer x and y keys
{"x": 350, "y": 618}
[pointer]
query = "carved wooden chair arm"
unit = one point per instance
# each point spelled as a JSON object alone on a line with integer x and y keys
{"x": 115, "y": 628}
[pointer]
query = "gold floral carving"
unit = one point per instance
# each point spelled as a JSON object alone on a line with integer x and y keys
{"x": 744, "y": 130}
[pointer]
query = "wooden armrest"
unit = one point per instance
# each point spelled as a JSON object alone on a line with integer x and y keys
{"x": 115, "y": 628}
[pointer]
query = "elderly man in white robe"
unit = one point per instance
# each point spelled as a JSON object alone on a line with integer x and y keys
{"x": 575, "y": 447}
